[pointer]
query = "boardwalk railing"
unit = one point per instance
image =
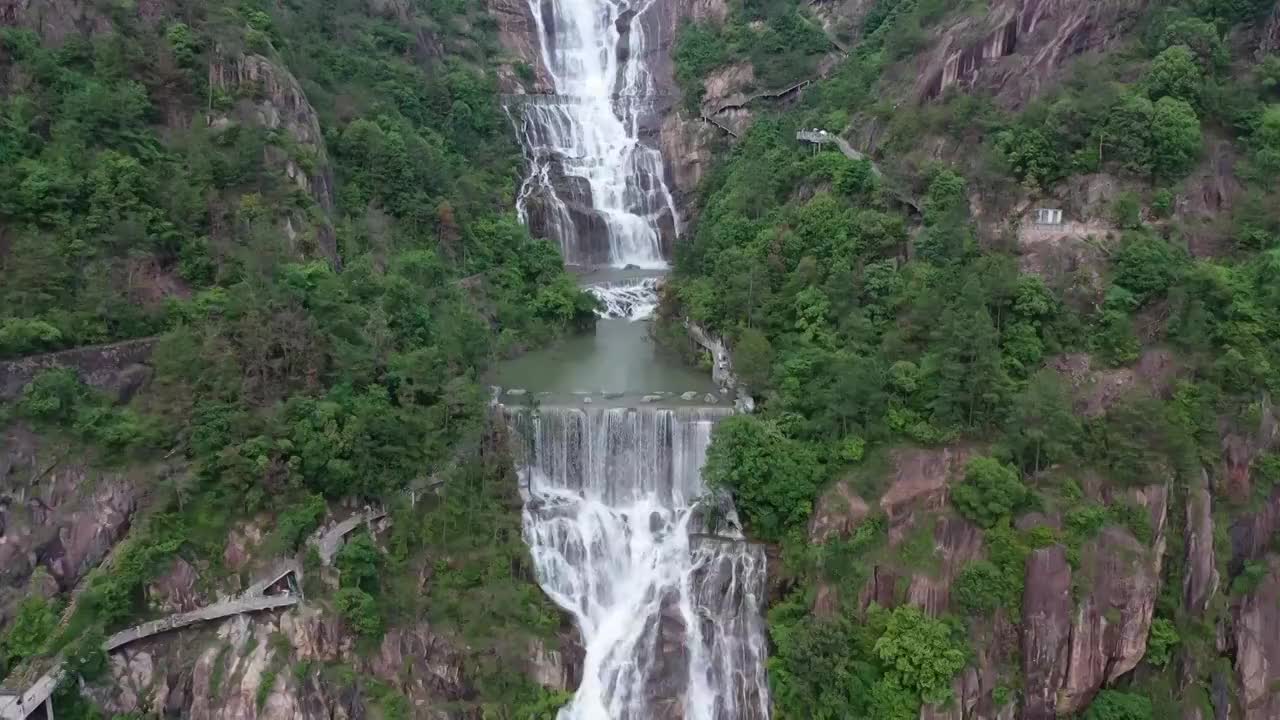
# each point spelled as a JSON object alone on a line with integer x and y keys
{"x": 20, "y": 706}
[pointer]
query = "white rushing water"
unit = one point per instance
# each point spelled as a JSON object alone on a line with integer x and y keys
{"x": 593, "y": 185}
{"x": 630, "y": 299}
{"x": 614, "y": 516}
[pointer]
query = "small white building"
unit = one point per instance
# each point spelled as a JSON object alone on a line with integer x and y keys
{"x": 1048, "y": 216}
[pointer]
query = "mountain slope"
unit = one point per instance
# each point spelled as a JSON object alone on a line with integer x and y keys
{"x": 279, "y": 240}
{"x": 1049, "y": 431}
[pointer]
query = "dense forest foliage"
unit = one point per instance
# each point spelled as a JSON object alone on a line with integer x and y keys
{"x": 868, "y": 311}
{"x": 146, "y": 191}
{"x": 307, "y": 205}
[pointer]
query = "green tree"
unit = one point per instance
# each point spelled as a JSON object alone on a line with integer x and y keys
{"x": 972, "y": 383}
{"x": 753, "y": 357}
{"x": 1269, "y": 73}
{"x": 1126, "y": 133}
{"x": 360, "y": 563}
{"x": 920, "y": 653}
{"x": 979, "y": 588}
{"x": 1117, "y": 705}
{"x": 1161, "y": 642}
{"x": 1175, "y": 137}
{"x": 773, "y": 478}
{"x": 990, "y": 491}
{"x": 1042, "y": 428}
{"x": 360, "y": 611}
{"x": 1147, "y": 265}
{"x": 1030, "y": 155}
{"x": 19, "y": 336}
{"x": 1175, "y": 73}
{"x": 1201, "y": 37}
{"x": 1265, "y": 143}
{"x": 29, "y": 632}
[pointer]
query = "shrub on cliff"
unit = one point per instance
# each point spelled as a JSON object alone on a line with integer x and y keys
{"x": 991, "y": 490}
{"x": 1116, "y": 705}
{"x": 920, "y": 653}
{"x": 773, "y": 478}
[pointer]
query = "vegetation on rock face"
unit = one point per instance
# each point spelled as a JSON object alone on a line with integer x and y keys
{"x": 885, "y": 666}
{"x": 879, "y": 307}
{"x": 324, "y": 304}
{"x": 991, "y": 491}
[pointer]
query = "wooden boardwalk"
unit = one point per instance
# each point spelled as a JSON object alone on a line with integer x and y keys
{"x": 20, "y": 706}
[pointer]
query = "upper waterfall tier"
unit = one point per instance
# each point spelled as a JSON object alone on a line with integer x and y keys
{"x": 593, "y": 185}
{"x": 617, "y": 520}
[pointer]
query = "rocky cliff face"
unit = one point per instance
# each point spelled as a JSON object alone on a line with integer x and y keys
{"x": 55, "y": 20}
{"x": 1070, "y": 650}
{"x": 1082, "y": 627}
{"x": 275, "y": 100}
{"x": 303, "y": 664}
{"x": 1021, "y": 44}
{"x": 1256, "y": 625}
{"x": 118, "y": 369}
{"x": 1270, "y": 41}
{"x": 518, "y": 34}
{"x": 58, "y": 513}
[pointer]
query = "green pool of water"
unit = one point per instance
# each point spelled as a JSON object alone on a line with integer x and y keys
{"x": 618, "y": 362}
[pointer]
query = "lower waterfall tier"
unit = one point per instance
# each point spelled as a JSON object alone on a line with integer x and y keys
{"x": 617, "y": 519}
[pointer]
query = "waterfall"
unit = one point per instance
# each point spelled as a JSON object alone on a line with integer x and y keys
{"x": 667, "y": 593}
{"x": 592, "y": 184}
{"x": 632, "y": 300}
{"x": 616, "y": 517}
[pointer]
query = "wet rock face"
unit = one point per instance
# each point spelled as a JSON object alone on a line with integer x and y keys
{"x": 668, "y": 656}
{"x": 1021, "y": 45}
{"x": 919, "y": 485}
{"x": 572, "y": 217}
{"x": 1070, "y": 650}
{"x": 1046, "y": 620}
{"x": 558, "y": 668}
{"x": 518, "y": 34}
{"x": 837, "y": 514}
{"x": 1201, "y": 580}
{"x": 1256, "y": 619}
{"x": 56, "y": 512}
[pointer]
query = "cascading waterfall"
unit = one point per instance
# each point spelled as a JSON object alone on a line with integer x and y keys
{"x": 632, "y": 300}
{"x": 593, "y": 185}
{"x": 616, "y": 516}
